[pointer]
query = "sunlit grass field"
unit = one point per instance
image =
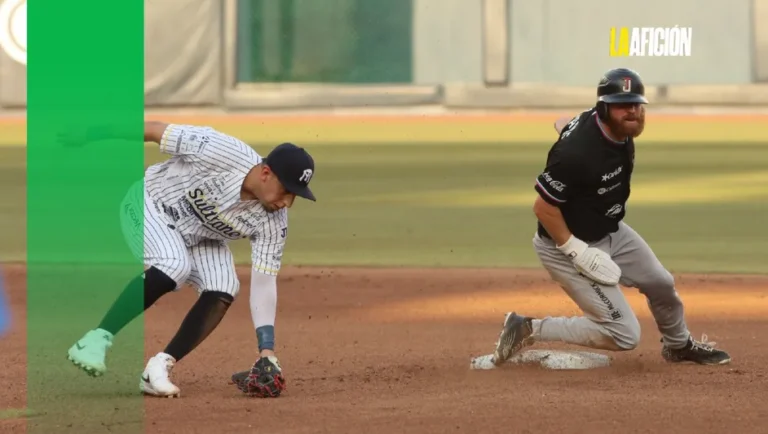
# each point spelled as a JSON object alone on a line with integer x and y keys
{"x": 449, "y": 193}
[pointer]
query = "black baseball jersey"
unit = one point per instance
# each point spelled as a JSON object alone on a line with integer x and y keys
{"x": 587, "y": 176}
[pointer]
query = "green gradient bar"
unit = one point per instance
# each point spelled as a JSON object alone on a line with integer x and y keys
{"x": 85, "y": 69}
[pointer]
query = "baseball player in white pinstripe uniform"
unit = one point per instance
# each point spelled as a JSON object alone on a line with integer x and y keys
{"x": 214, "y": 189}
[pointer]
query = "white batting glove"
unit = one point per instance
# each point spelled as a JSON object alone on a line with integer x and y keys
{"x": 592, "y": 262}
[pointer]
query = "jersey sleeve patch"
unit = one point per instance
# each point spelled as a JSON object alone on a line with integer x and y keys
{"x": 555, "y": 184}
{"x": 550, "y": 189}
{"x": 183, "y": 140}
{"x": 208, "y": 146}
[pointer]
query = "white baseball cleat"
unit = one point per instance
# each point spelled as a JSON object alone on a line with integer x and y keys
{"x": 90, "y": 352}
{"x": 155, "y": 380}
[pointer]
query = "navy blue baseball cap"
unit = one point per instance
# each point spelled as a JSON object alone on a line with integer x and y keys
{"x": 294, "y": 167}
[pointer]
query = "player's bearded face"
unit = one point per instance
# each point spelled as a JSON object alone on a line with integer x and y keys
{"x": 627, "y": 120}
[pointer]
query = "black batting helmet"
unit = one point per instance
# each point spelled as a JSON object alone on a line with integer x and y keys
{"x": 619, "y": 86}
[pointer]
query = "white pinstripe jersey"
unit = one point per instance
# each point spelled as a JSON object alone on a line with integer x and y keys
{"x": 198, "y": 189}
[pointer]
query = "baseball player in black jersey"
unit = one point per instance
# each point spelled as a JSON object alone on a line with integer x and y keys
{"x": 585, "y": 246}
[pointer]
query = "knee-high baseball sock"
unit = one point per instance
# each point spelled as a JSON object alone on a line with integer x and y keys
{"x": 141, "y": 293}
{"x": 576, "y": 330}
{"x": 204, "y": 316}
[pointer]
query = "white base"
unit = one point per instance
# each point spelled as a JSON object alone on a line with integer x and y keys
{"x": 549, "y": 359}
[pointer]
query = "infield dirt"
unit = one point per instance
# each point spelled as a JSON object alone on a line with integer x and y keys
{"x": 388, "y": 350}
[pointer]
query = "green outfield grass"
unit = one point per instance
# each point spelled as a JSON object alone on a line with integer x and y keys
{"x": 702, "y": 206}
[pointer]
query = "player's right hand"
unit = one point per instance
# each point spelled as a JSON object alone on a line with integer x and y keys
{"x": 591, "y": 262}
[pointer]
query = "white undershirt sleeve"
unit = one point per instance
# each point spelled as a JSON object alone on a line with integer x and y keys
{"x": 263, "y": 299}
{"x": 266, "y": 258}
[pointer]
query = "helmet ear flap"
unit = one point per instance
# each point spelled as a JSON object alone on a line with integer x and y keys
{"x": 602, "y": 110}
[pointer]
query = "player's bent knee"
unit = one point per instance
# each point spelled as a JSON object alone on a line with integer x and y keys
{"x": 627, "y": 342}
{"x": 158, "y": 281}
{"x": 660, "y": 280}
{"x": 667, "y": 279}
{"x": 626, "y": 334}
{"x": 177, "y": 270}
{"x": 225, "y": 298}
{"x": 232, "y": 289}
{"x": 664, "y": 280}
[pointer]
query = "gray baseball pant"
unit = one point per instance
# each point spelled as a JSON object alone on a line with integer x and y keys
{"x": 608, "y": 322}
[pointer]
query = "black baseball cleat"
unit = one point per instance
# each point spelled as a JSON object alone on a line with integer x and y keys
{"x": 515, "y": 335}
{"x": 703, "y": 353}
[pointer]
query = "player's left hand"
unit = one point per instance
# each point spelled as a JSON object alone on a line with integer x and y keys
{"x": 591, "y": 261}
{"x": 264, "y": 380}
{"x": 72, "y": 137}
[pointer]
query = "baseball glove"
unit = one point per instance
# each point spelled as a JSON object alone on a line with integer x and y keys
{"x": 264, "y": 380}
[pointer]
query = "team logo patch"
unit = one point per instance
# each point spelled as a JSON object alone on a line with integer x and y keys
{"x": 194, "y": 144}
{"x": 627, "y": 84}
{"x": 614, "y": 211}
{"x": 208, "y": 214}
{"x": 602, "y": 191}
{"x": 306, "y": 176}
{"x": 609, "y": 176}
{"x": 614, "y": 312}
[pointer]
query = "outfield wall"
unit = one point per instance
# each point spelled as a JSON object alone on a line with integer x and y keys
{"x": 299, "y": 54}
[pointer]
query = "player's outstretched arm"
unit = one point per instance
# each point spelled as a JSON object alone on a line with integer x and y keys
{"x": 266, "y": 259}
{"x": 263, "y": 300}
{"x": 265, "y": 378}
{"x": 153, "y": 132}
